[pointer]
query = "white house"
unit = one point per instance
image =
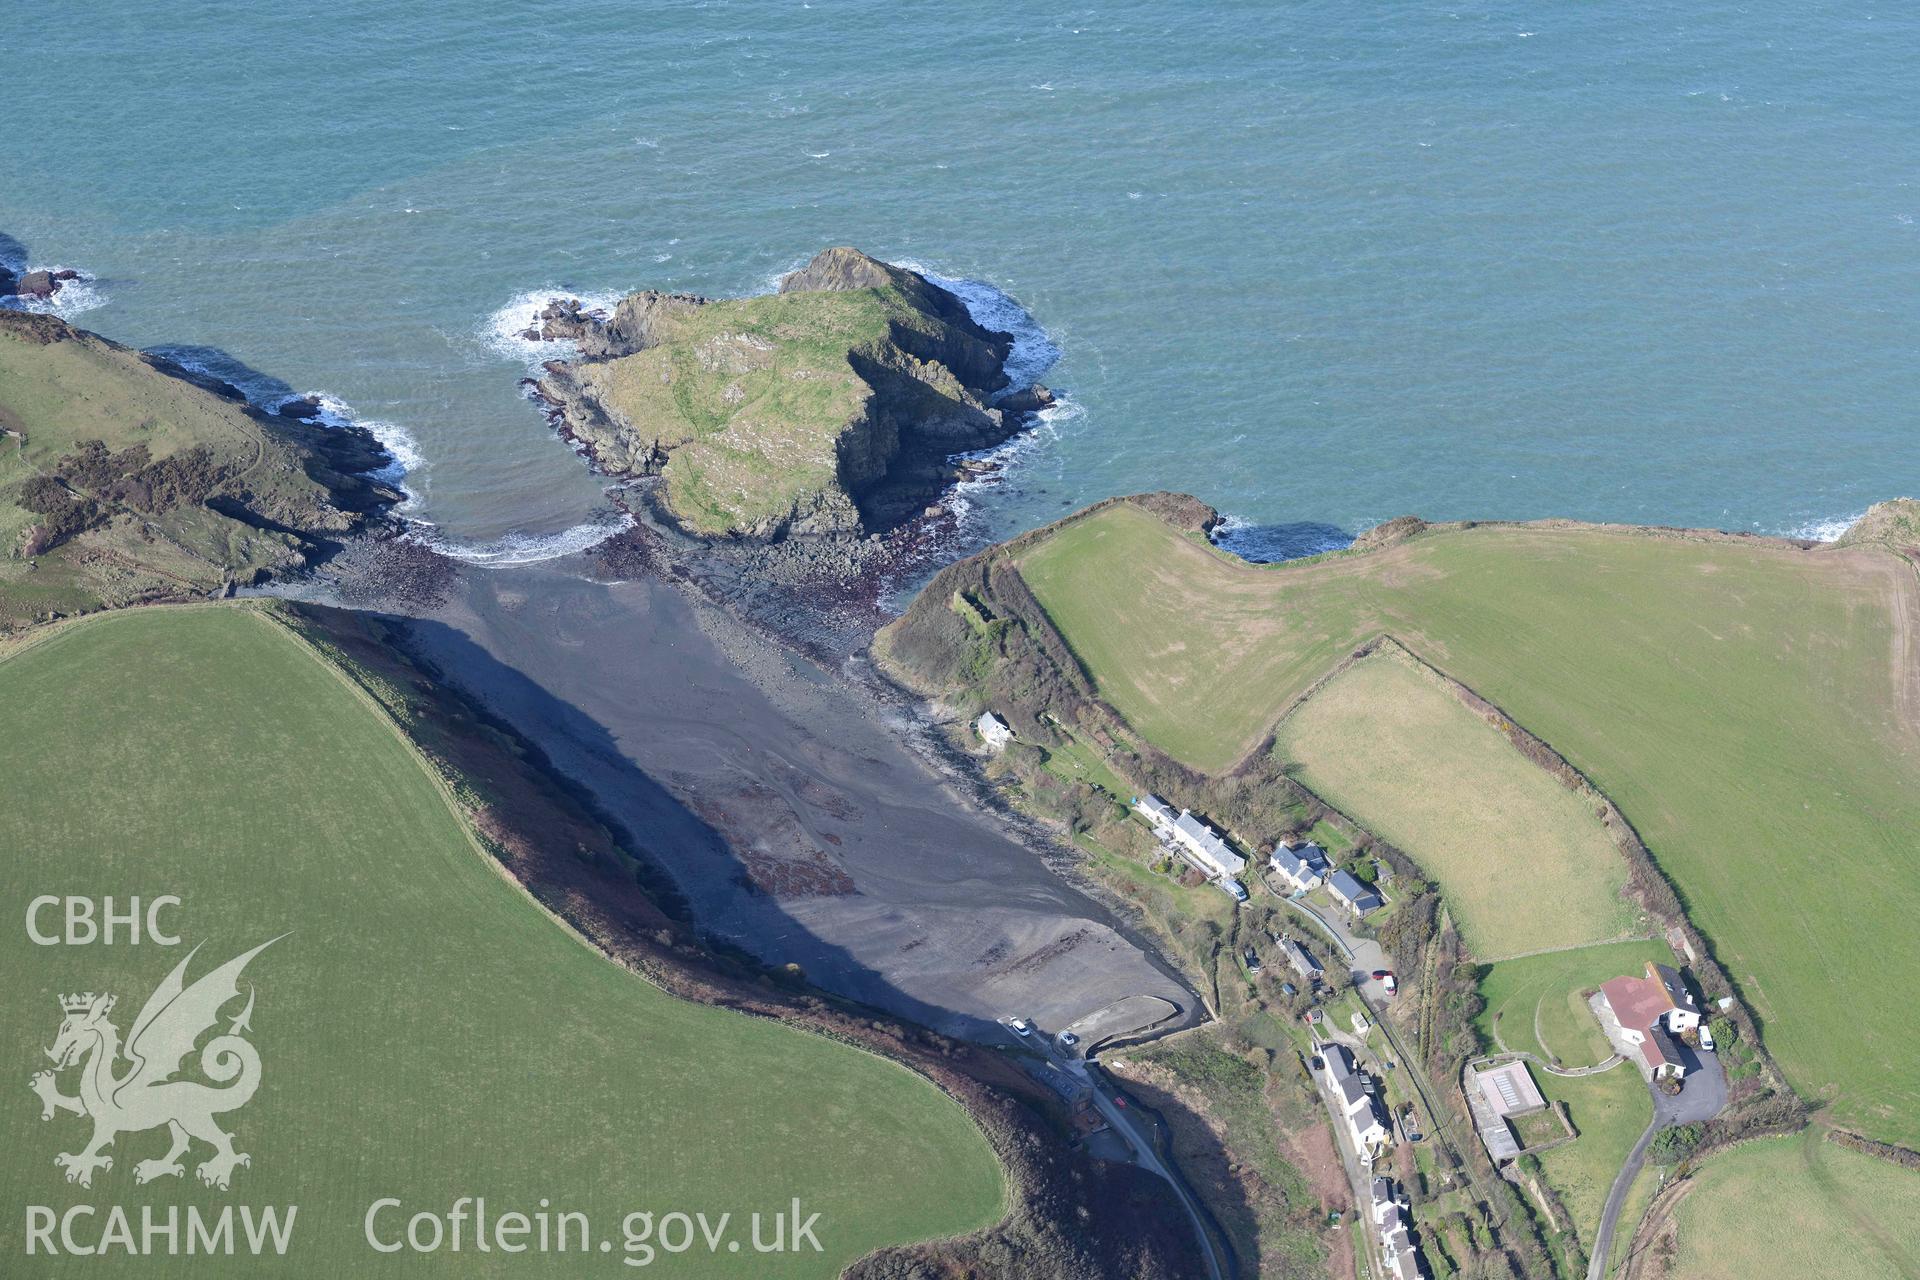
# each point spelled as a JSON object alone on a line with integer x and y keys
{"x": 1157, "y": 812}
{"x": 994, "y": 731}
{"x": 1301, "y": 866}
{"x": 1392, "y": 1225}
{"x": 1202, "y": 846}
{"x": 1643, "y": 1015}
{"x": 1359, "y": 1109}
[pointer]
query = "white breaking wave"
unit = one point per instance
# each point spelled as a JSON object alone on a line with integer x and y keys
{"x": 1008, "y": 458}
{"x": 394, "y": 438}
{"x": 1828, "y": 530}
{"x": 501, "y": 332}
{"x": 992, "y": 308}
{"x": 73, "y": 297}
{"x": 522, "y": 548}
{"x": 269, "y": 394}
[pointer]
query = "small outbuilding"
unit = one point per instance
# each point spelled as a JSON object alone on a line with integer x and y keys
{"x": 994, "y": 731}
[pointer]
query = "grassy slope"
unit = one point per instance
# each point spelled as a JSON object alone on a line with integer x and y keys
{"x": 1534, "y": 1004}
{"x": 1430, "y": 776}
{"x": 1748, "y": 706}
{"x": 752, "y": 396}
{"x": 59, "y": 393}
{"x": 426, "y": 1031}
{"x": 1788, "y": 1208}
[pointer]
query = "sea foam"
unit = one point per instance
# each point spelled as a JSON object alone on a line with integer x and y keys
{"x": 268, "y": 395}
{"x": 1827, "y": 530}
{"x": 523, "y": 548}
{"x": 74, "y": 297}
{"x": 501, "y": 332}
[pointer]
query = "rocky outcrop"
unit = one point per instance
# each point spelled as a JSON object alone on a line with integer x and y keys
{"x": 170, "y": 483}
{"x": 41, "y": 284}
{"x": 832, "y": 407}
{"x": 1894, "y": 523}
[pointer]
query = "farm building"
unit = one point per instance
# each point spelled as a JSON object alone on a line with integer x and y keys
{"x": 1643, "y": 1015}
{"x": 1350, "y": 893}
{"x": 994, "y": 731}
{"x": 1352, "y": 1092}
{"x": 1301, "y": 866}
{"x": 1495, "y": 1094}
{"x": 1202, "y": 846}
{"x": 1509, "y": 1089}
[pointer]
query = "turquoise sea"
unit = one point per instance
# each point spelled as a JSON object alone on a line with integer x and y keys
{"x": 1320, "y": 263}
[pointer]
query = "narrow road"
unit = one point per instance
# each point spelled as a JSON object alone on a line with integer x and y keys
{"x": 1702, "y": 1096}
{"x": 1122, "y": 1123}
{"x": 1148, "y": 1159}
{"x": 1616, "y": 1199}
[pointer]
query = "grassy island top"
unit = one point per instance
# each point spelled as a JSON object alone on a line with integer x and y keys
{"x": 781, "y": 412}
{"x": 1752, "y": 706}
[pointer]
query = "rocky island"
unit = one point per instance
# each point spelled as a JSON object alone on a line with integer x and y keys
{"x": 832, "y": 407}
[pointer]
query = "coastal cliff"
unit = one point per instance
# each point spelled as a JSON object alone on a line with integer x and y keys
{"x": 125, "y": 477}
{"x": 830, "y": 407}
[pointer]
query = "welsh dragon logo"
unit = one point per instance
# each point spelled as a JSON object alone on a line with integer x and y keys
{"x": 144, "y": 1095}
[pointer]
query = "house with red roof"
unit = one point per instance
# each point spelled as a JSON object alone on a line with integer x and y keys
{"x": 1643, "y": 1017}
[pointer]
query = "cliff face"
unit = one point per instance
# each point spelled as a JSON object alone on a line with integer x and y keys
{"x": 829, "y": 407}
{"x": 124, "y": 477}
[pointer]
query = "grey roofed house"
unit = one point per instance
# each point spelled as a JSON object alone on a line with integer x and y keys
{"x": 1300, "y": 959}
{"x": 1662, "y": 1052}
{"x": 1356, "y": 896}
{"x": 1312, "y": 854}
{"x": 1676, "y": 988}
{"x": 1205, "y": 844}
{"x": 1158, "y": 811}
{"x": 1294, "y": 869}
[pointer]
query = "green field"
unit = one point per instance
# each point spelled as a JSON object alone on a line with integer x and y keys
{"x": 1525, "y": 865}
{"x": 1610, "y": 1110}
{"x": 1750, "y": 706}
{"x": 1790, "y": 1208}
{"x": 1535, "y": 1005}
{"x": 426, "y": 1031}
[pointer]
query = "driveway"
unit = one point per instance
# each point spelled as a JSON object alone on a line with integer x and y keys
{"x": 1363, "y": 955}
{"x": 1702, "y": 1096}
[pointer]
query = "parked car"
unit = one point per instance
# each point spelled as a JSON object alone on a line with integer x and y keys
{"x": 1706, "y": 1038}
{"x": 1020, "y": 1027}
{"x": 1387, "y": 981}
{"x": 1067, "y": 1039}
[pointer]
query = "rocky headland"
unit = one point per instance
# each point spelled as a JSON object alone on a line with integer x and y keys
{"x": 126, "y": 477}
{"x": 829, "y": 410}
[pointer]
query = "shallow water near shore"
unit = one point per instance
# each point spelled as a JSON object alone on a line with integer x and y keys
{"x": 1319, "y": 265}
